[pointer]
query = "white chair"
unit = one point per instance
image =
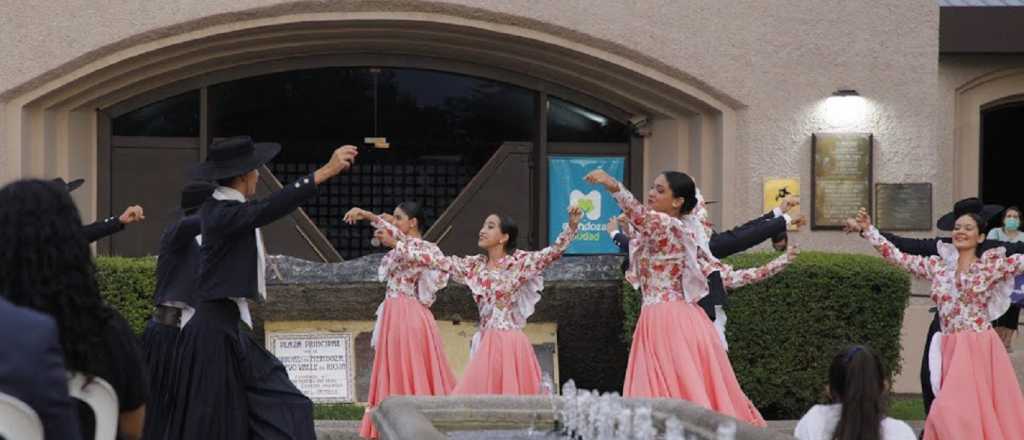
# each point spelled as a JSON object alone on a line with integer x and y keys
{"x": 18, "y": 420}
{"x": 100, "y": 396}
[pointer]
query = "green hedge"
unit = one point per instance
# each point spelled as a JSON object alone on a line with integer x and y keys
{"x": 784, "y": 331}
{"x": 127, "y": 284}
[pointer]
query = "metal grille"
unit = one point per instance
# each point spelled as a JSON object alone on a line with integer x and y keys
{"x": 378, "y": 187}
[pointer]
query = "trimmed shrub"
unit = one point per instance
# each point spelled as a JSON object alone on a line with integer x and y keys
{"x": 127, "y": 284}
{"x": 784, "y": 331}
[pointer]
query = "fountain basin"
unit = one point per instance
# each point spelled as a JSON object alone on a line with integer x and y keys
{"x": 528, "y": 417}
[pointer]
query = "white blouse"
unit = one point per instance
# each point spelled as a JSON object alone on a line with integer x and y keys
{"x": 820, "y": 422}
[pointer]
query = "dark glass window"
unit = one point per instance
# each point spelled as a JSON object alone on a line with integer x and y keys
{"x": 441, "y": 129}
{"x": 177, "y": 116}
{"x": 568, "y": 122}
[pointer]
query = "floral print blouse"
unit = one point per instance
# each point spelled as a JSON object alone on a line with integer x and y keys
{"x": 658, "y": 256}
{"x": 966, "y": 301}
{"x": 507, "y": 293}
{"x": 403, "y": 273}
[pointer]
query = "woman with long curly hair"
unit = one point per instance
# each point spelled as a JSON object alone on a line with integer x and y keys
{"x": 45, "y": 265}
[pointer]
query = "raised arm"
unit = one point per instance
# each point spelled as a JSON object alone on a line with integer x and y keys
{"x": 101, "y": 229}
{"x": 732, "y": 278}
{"x": 925, "y": 247}
{"x": 917, "y": 265}
{"x": 257, "y": 213}
{"x": 535, "y": 262}
{"x": 746, "y": 236}
{"x": 377, "y": 221}
{"x": 430, "y": 256}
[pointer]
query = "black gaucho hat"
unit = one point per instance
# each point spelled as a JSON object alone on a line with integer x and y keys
{"x": 194, "y": 194}
{"x": 234, "y": 157}
{"x": 70, "y": 186}
{"x": 970, "y": 205}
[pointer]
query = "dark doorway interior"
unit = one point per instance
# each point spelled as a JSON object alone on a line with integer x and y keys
{"x": 1002, "y": 154}
{"x": 441, "y": 129}
{"x": 443, "y": 132}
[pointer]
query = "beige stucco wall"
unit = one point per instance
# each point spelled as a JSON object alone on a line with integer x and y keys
{"x": 772, "y": 63}
{"x": 764, "y": 68}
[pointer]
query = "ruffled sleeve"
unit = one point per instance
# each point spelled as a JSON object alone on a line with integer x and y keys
{"x": 733, "y": 278}
{"x": 1001, "y": 270}
{"x": 378, "y": 222}
{"x": 533, "y": 263}
{"x": 527, "y": 298}
{"x": 923, "y": 267}
{"x": 430, "y": 281}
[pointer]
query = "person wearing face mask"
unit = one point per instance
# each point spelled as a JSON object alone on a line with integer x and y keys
{"x": 1006, "y": 325}
{"x": 977, "y": 392}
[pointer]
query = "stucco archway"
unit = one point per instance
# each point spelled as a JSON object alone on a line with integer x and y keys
{"x": 972, "y": 97}
{"x": 51, "y": 121}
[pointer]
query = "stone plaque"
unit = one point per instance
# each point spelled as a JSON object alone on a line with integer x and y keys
{"x": 903, "y": 206}
{"x": 841, "y": 177}
{"x": 320, "y": 363}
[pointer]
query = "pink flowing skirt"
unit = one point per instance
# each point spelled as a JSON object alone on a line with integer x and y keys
{"x": 504, "y": 363}
{"x": 677, "y": 354}
{"x": 409, "y": 358}
{"x": 979, "y": 397}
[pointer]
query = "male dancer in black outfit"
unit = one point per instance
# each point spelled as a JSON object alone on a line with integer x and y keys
{"x": 228, "y": 386}
{"x": 175, "y": 299}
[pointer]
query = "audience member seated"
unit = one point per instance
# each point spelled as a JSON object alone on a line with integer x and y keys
{"x": 857, "y": 384}
{"x": 45, "y": 264}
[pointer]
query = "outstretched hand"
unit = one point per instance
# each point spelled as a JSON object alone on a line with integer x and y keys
{"x": 356, "y": 214}
{"x": 575, "y": 214}
{"x": 132, "y": 214}
{"x": 792, "y": 251}
{"x": 600, "y": 177}
{"x": 799, "y": 221}
{"x": 613, "y": 225}
{"x": 344, "y": 157}
{"x": 859, "y": 223}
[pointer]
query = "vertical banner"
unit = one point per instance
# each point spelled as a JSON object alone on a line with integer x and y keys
{"x": 777, "y": 189}
{"x": 566, "y": 187}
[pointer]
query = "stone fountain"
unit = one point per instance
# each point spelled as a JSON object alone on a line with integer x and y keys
{"x": 576, "y": 414}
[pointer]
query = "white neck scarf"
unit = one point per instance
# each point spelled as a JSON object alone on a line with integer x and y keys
{"x": 225, "y": 193}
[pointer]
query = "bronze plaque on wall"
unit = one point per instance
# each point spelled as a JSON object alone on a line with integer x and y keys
{"x": 841, "y": 169}
{"x": 903, "y": 206}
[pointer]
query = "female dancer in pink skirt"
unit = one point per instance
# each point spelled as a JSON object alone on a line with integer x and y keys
{"x": 977, "y": 394}
{"x": 506, "y": 285}
{"x": 409, "y": 358}
{"x": 676, "y": 352}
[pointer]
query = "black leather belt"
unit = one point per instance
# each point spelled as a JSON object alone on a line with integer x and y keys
{"x": 167, "y": 315}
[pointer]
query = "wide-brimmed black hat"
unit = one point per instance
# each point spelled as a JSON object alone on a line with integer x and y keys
{"x": 970, "y": 205}
{"x": 234, "y": 157}
{"x": 71, "y": 186}
{"x": 194, "y": 194}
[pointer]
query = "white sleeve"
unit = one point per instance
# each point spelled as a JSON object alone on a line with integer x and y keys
{"x": 810, "y": 425}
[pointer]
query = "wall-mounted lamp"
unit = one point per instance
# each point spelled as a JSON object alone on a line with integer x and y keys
{"x": 845, "y": 108}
